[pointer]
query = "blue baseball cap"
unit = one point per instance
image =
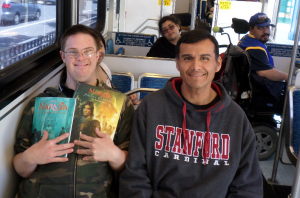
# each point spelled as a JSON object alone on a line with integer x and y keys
{"x": 260, "y": 19}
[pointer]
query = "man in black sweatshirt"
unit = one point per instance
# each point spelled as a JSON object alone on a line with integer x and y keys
{"x": 190, "y": 139}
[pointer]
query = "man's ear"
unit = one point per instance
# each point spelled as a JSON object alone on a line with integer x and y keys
{"x": 62, "y": 55}
{"x": 219, "y": 64}
{"x": 251, "y": 30}
{"x": 176, "y": 61}
{"x": 98, "y": 54}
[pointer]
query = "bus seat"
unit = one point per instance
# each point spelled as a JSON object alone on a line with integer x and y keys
{"x": 120, "y": 51}
{"x": 294, "y": 132}
{"x": 123, "y": 81}
{"x": 297, "y": 77}
{"x": 151, "y": 80}
{"x": 109, "y": 46}
{"x": 185, "y": 20}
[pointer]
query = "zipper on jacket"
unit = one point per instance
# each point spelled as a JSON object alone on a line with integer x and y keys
{"x": 74, "y": 175}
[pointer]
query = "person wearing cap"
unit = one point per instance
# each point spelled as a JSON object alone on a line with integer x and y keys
{"x": 264, "y": 76}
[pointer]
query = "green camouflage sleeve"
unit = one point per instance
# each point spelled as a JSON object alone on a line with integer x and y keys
{"x": 122, "y": 136}
{"x": 24, "y": 130}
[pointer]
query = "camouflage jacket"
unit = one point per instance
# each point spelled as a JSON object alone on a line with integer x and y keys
{"x": 74, "y": 178}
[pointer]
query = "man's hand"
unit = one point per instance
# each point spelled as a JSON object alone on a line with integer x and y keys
{"x": 97, "y": 149}
{"x": 43, "y": 152}
{"x": 47, "y": 151}
{"x": 101, "y": 149}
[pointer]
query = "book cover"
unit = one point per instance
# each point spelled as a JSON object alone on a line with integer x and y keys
{"x": 96, "y": 107}
{"x": 54, "y": 115}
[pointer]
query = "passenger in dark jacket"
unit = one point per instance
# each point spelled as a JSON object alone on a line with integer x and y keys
{"x": 90, "y": 171}
{"x": 164, "y": 47}
{"x": 191, "y": 139}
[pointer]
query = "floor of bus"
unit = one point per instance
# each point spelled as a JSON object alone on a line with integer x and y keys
{"x": 284, "y": 178}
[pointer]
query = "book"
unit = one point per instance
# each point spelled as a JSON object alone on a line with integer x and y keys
{"x": 96, "y": 107}
{"x": 53, "y": 114}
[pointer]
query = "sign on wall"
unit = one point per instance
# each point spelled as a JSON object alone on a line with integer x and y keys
{"x": 134, "y": 39}
{"x": 166, "y": 2}
{"x": 281, "y": 50}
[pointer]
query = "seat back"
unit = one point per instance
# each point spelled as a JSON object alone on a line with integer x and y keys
{"x": 123, "y": 81}
{"x": 151, "y": 80}
{"x": 294, "y": 125}
{"x": 109, "y": 47}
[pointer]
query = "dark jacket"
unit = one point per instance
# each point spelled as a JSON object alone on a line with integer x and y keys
{"x": 162, "y": 48}
{"x": 74, "y": 178}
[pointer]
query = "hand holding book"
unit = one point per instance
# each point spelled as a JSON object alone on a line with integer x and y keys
{"x": 100, "y": 148}
{"x": 48, "y": 151}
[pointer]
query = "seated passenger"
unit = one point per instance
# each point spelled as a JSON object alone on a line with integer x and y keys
{"x": 264, "y": 76}
{"x": 89, "y": 172}
{"x": 164, "y": 47}
{"x": 183, "y": 141}
{"x": 209, "y": 11}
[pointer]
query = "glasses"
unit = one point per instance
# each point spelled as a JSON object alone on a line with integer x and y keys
{"x": 85, "y": 53}
{"x": 171, "y": 27}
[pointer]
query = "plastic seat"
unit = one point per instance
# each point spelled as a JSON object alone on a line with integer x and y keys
{"x": 123, "y": 81}
{"x": 293, "y": 137}
{"x": 151, "y": 80}
{"x": 109, "y": 47}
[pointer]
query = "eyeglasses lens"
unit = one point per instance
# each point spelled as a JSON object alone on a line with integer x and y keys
{"x": 171, "y": 27}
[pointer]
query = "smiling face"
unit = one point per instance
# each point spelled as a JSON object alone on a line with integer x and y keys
{"x": 197, "y": 65}
{"x": 79, "y": 68}
{"x": 170, "y": 30}
{"x": 261, "y": 33}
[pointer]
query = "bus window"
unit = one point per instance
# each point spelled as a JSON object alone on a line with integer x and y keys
{"x": 287, "y": 22}
{"x": 27, "y": 26}
{"x": 87, "y": 12}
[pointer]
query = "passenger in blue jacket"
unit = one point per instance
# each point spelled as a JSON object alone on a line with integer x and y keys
{"x": 191, "y": 139}
{"x": 264, "y": 76}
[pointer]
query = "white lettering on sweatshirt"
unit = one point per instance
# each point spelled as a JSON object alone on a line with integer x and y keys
{"x": 170, "y": 140}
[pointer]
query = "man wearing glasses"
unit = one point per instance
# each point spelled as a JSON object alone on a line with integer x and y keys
{"x": 164, "y": 47}
{"x": 90, "y": 172}
{"x": 264, "y": 76}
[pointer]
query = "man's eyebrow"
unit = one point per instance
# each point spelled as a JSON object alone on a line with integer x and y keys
{"x": 186, "y": 55}
{"x": 83, "y": 49}
{"x": 205, "y": 55}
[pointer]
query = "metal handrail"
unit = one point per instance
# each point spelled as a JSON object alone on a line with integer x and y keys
{"x": 193, "y": 15}
{"x": 140, "y": 90}
{"x": 144, "y": 23}
{"x": 150, "y": 27}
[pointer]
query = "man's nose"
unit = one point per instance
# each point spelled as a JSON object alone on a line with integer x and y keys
{"x": 196, "y": 64}
{"x": 80, "y": 56}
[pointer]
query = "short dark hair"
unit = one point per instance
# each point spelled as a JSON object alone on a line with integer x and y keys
{"x": 195, "y": 36}
{"x": 91, "y": 104}
{"x": 101, "y": 38}
{"x": 76, "y": 29}
{"x": 168, "y": 18}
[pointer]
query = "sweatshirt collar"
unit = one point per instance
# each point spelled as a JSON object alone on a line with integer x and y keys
{"x": 206, "y": 142}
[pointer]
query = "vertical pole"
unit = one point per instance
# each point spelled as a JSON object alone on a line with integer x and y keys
{"x": 173, "y": 6}
{"x": 291, "y": 72}
{"x": 161, "y": 8}
{"x": 193, "y": 15}
{"x": 161, "y": 11}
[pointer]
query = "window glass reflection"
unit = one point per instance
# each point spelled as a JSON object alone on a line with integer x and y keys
{"x": 88, "y": 12}
{"x": 26, "y": 26}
